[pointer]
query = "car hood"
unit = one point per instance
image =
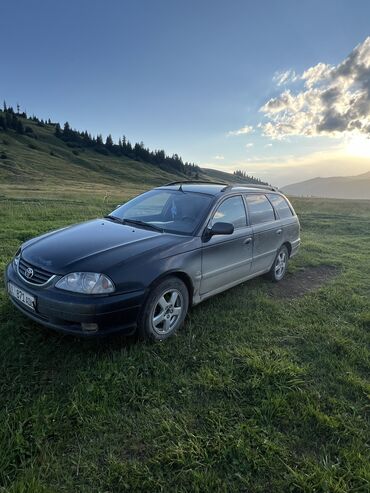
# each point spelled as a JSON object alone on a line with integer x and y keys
{"x": 94, "y": 246}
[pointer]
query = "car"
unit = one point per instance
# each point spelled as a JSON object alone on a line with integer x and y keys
{"x": 141, "y": 267}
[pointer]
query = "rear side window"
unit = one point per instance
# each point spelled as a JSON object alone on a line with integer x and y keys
{"x": 230, "y": 211}
{"x": 281, "y": 205}
{"x": 260, "y": 209}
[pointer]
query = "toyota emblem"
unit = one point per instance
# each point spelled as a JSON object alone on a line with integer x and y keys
{"x": 28, "y": 272}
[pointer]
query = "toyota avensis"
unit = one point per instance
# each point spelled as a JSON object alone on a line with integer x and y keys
{"x": 143, "y": 265}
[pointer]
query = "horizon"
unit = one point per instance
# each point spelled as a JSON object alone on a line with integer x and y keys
{"x": 235, "y": 86}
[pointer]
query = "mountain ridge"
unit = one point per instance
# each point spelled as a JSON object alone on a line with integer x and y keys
{"x": 339, "y": 187}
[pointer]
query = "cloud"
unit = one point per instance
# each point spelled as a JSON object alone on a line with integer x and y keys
{"x": 283, "y": 78}
{"x": 247, "y": 129}
{"x": 220, "y": 158}
{"x": 316, "y": 74}
{"x": 250, "y": 144}
{"x": 334, "y": 100}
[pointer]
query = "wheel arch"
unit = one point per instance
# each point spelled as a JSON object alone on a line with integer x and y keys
{"x": 288, "y": 245}
{"x": 183, "y": 276}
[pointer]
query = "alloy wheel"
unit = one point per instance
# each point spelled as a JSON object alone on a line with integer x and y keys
{"x": 280, "y": 265}
{"x": 167, "y": 311}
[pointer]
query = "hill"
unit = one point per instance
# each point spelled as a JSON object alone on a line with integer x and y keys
{"x": 340, "y": 187}
{"x": 36, "y": 153}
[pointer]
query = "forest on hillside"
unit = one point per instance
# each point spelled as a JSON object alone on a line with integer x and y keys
{"x": 16, "y": 120}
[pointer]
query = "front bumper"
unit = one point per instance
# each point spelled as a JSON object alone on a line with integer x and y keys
{"x": 65, "y": 312}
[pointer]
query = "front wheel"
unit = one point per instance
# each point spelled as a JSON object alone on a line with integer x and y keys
{"x": 165, "y": 310}
{"x": 280, "y": 265}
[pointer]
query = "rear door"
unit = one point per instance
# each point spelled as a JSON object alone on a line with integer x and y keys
{"x": 285, "y": 211}
{"x": 267, "y": 231}
{"x": 227, "y": 259}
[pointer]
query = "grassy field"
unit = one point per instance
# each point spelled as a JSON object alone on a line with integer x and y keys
{"x": 258, "y": 393}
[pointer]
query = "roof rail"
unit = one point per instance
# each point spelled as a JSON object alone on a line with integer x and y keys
{"x": 227, "y": 186}
{"x": 255, "y": 185}
{"x": 200, "y": 182}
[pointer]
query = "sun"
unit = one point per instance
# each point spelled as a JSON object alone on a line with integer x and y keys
{"x": 358, "y": 145}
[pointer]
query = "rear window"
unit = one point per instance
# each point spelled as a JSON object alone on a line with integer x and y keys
{"x": 260, "y": 209}
{"x": 281, "y": 205}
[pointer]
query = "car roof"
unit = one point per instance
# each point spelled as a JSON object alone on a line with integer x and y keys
{"x": 200, "y": 187}
{"x": 214, "y": 188}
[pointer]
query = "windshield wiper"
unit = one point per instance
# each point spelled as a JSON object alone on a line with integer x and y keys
{"x": 137, "y": 222}
{"x": 113, "y": 218}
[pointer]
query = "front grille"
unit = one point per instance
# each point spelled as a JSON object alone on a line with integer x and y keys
{"x": 40, "y": 276}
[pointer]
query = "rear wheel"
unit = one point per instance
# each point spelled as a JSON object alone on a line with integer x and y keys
{"x": 165, "y": 310}
{"x": 280, "y": 265}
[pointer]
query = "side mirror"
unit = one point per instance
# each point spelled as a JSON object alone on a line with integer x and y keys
{"x": 221, "y": 229}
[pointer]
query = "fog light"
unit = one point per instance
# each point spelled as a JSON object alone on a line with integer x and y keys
{"x": 89, "y": 327}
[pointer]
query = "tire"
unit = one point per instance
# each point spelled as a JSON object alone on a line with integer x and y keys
{"x": 164, "y": 311}
{"x": 280, "y": 265}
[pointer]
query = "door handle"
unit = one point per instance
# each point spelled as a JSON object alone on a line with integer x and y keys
{"x": 247, "y": 241}
{"x": 279, "y": 231}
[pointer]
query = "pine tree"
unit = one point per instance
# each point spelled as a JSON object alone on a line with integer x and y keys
{"x": 66, "y": 130}
{"x": 109, "y": 142}
{"x": 58, "y": 130}
{"x": 19, "y": 126}
{"x": 14, "y": 121}
{"x": 86, "y": 138}
{"x": 8, "y": 120}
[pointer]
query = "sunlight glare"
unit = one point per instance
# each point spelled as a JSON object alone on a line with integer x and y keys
{"x": 359, "y": 145}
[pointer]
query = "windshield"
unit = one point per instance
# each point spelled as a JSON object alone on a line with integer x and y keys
{"x": 170, "y": 210}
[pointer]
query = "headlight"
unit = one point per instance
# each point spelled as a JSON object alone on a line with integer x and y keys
{"x": 86, "y": 282}
{"x": 16, "y": 259}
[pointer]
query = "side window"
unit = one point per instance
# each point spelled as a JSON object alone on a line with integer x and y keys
{"x": 230, "y": 211}
{"x": 260, "y": 209}
{"x": 281, "y": 205}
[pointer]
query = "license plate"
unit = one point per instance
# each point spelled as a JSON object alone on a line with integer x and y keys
{"x": 22, "y": 296}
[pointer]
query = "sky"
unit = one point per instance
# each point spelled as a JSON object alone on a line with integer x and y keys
{"x": 279, "y": 89}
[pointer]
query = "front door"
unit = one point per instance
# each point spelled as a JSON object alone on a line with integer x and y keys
{"x": 226, "y": 259}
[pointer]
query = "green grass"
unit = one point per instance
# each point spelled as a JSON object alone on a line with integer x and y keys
{"x": 255, "y": 394}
